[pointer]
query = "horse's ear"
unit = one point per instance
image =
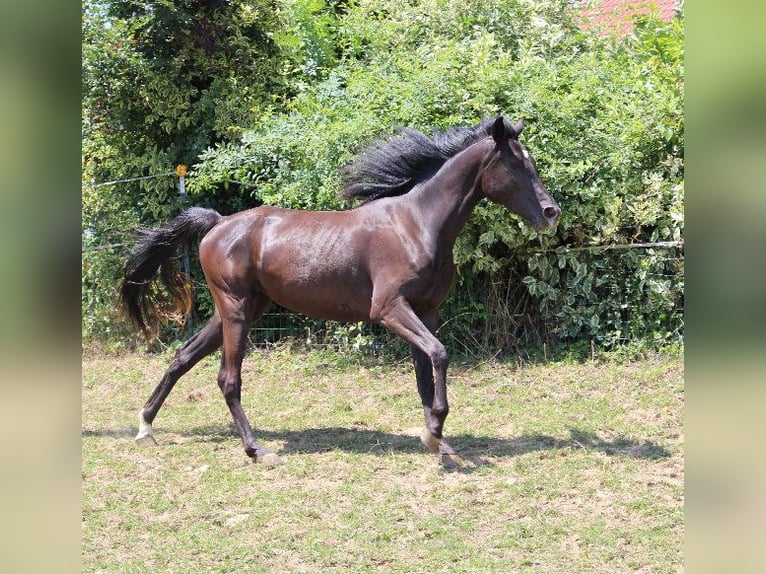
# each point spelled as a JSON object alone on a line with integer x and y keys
{"x": 519, "y": 127}
{"x": 499, "y": 133}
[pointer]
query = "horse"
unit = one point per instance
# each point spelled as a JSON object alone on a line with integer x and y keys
{"x": 387, "y": 261}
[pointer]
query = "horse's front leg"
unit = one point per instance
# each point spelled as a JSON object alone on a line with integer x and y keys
{"x": 424, "y": 374}
{"x": 431, "y": 361}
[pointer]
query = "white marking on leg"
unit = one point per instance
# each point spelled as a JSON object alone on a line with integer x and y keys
{"x": 145, "y": 430}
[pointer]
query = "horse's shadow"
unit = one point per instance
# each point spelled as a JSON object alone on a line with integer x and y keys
{"x": 469, "y": 445}
{"x": 477, "y": 449}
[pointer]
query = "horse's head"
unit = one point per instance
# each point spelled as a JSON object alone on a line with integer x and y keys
{"x": 510, "y": 178}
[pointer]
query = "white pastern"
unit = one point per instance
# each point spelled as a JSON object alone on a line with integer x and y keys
{"x": 145, "y": 430}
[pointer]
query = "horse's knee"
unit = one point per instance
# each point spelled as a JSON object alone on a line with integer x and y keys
{"x": 439, "y": 358}
{"x": 230, "y": 386}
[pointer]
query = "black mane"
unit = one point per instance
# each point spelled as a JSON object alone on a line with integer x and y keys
{"x": 398, "y": 163}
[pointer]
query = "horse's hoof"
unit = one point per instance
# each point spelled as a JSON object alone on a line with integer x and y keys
{"x": 448, "y": 457}
{"x": 452, "y": 460}
{"x": 430, "y": 441}
{"x": 145, "y": 436}
{"x": 146, "y": 440}
{"x": 444, "y": 448}
{"x": 269, "y": 459}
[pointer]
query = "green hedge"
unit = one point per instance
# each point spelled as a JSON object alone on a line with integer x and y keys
{"x": 604, "y": 121}
{"x": 605, "y": 124}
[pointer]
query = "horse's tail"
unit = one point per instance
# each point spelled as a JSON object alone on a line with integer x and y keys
{"x": 153, "y": 253}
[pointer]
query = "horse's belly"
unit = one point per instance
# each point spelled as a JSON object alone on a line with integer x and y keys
{"x": 332, "y": 302}
{"x": 319, "y": 287}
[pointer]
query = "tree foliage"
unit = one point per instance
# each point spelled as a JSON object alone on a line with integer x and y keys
{"x": 604, "y": 121}
{"x": 162, "y": 82}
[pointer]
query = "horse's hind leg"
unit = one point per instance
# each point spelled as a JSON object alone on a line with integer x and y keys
{"x": 238, "y": 314}
{"x": 207, "y": 340}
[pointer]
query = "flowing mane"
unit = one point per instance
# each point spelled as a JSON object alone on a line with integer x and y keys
{"x": 398, "y": 163}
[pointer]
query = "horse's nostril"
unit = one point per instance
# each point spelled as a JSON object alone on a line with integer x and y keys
{"x": 551, "y": 212}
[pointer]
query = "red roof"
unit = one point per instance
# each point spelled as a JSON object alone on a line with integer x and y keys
{"x": 614, "y": 16}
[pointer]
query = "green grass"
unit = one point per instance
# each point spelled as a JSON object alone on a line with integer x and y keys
{"x": 571, "y": 468}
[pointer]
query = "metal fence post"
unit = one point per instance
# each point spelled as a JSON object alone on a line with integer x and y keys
{"x": 181, "y": 173}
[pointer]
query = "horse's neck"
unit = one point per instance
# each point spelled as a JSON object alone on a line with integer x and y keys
{"x": 445, "y": 201}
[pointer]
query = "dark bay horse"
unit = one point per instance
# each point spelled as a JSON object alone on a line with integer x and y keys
{"x": 388, "y": 261}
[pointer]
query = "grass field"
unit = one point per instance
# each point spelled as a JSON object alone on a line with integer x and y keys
{"x": 572, "y": 468}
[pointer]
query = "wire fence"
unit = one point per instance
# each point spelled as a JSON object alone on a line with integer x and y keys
{"x": 498, "y": 310}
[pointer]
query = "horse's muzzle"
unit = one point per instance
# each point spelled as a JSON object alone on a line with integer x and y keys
{"x": 549, "y": 217}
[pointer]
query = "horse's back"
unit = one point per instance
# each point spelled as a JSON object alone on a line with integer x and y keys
{"x": 308, "y": 261}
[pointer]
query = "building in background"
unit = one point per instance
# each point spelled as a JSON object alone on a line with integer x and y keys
{"x": 616, "y": 16}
